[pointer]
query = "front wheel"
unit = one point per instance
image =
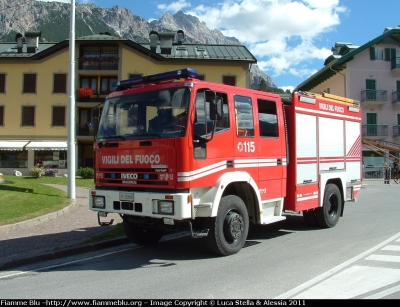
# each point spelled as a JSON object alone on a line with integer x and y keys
{"x": 328, "y": 215}
{"x": 140, "y": 235}
{"x": 228, "y": 230}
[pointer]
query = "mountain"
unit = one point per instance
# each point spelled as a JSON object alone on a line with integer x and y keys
{"x": 53, "y": 20}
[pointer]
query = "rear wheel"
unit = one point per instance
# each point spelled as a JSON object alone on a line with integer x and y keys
{"x": 228, "y": 231}
{"x": 140, "y": 235}
{"x": 328, "y": 215}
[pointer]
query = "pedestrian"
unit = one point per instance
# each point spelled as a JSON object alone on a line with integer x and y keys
{"x": 387, "y": 174}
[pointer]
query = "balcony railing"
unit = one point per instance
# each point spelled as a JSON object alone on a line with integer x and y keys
{"x": 395, "y": 64}
{"x": 379, "y": 131}
{"x": 374, "y": 96}
{"x": 395, "y": 97}
{"x": 96, "y": 62}
{"x": 96, "y": 97}
{"x": 85, "y": 129}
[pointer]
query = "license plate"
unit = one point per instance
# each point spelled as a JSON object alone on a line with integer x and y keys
{"x": 126, "y": 196}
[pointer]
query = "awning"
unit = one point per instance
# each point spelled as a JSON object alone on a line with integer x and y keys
{"x": 12, "y": 145}
{"x": 47, "y": 145}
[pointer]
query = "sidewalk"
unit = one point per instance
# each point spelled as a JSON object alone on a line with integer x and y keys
{"x": 51, "y": 236}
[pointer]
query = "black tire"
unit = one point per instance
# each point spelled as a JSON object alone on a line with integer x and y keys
{"x": 228, "y": 230}
{"x": 309, "y": 218}
{"x": 141, "y": 236}
{"x": 328, "y": 215}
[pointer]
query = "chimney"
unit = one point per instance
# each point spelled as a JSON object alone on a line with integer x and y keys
{"x": 180, "y": 36}
{"x": 32, "y": 41}
{"x": 166, "y": 39}
{"x": 153, "y": 40}
{"x": 20, "y": 42}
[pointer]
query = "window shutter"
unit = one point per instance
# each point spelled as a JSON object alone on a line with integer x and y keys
{"x": 372, "y": 53}
{"x": 393, "y": 54}
{"x": 29, "y": 83}
{"x": 387, "y": 54}
{"x": 60, "y": 83}
{"x": 2, "y": 83}
{"x": 58, "y": 116}
{"x": 28, "y": 116}
{"x": 1, "y": 115}
{"x": 131, "y": 76}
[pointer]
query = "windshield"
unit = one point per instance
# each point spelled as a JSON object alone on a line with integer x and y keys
{"x": 159, "y": 114}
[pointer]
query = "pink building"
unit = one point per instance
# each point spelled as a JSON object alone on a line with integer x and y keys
{"x": 370, "y": 74}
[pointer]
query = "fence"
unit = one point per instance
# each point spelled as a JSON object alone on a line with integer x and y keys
{"x": 378, "y": 173}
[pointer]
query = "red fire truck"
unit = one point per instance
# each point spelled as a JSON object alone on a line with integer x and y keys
{"x": 175, "y": 153}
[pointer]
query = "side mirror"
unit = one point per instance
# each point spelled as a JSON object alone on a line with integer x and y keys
{"x": 95, "y": 112}
{"x": 216, "y": 109}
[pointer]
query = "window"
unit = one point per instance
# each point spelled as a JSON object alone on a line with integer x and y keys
{"x": 29, "y": 84}
{"x": 13, "y": 158}
{"x": 244, "y": 116}
{"x": 379, "y": 54}
{"x": 370, "y": 85}
{"x": 51, "y": 159}
{"x": 106, "y": 85}
{"x": 2, "y": 83}
{"x": 203, "y": 124}
{"x": 201, "y": 77}
{"x": 60, "y": 84}
{"x": 58, "y": 116}
{"x": 376, "y": 54}
{"x": 372, "y": 128}
{"x": 89, "y": 82}
{"x": 229, "y": 80}
{"x": 267, "y": 118}
{"x": 28, "y": 116}
{"x": 1, "y": 115}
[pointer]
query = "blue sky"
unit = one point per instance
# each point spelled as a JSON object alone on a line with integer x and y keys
{"x": 290, "y": 38}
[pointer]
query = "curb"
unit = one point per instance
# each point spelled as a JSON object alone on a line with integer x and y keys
{"x": 38, "y": 220}
{"x": 90, "y": 247}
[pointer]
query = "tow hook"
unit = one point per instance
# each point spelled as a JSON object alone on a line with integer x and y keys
{"x": 103, "y": 214}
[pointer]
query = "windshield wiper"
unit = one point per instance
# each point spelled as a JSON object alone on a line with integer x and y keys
{"x": 117, "y": 137}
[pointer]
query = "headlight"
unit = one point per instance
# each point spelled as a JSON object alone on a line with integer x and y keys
{"x": 163, "y": 207}
{"x": 99, "y": 202}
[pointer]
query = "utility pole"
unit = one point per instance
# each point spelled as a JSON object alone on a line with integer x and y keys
{"x": 71, "y": 107}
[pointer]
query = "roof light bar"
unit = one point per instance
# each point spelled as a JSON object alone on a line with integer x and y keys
{"x": 180, "y": 73}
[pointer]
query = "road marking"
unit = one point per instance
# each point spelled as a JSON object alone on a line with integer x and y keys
{"x": 352, "y": 282}
{"x": 315, "y": 281}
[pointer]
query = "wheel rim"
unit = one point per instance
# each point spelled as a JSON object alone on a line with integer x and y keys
{"x": 333, "y": 206}
{"x": 233, "y": 226}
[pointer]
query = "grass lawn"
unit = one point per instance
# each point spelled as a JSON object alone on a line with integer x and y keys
{"x": 23, "y": 198}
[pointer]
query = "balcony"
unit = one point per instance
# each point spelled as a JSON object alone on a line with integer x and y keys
{"x": 395, "y": 100}
{"x": 373, "y": 97}
{"x": 92, "y": 97}
{"x": 375, "y": 132}
{"x": 395, "y": 66}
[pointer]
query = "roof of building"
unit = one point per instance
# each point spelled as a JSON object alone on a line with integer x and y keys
{"x": 334, "y": 63}
{"x": 177, "y": 50}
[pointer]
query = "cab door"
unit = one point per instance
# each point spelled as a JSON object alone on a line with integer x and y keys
{"x": 246, "y": 154}
{"x": 271, "y": 148}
